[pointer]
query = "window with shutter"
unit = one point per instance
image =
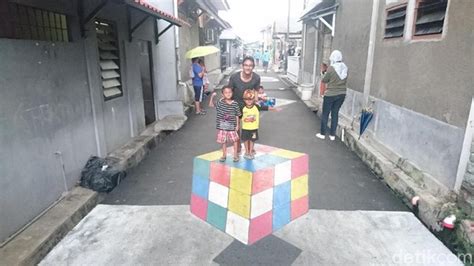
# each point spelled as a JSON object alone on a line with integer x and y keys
{"x": 395, "y": 22}
{"x": 109, "y": 59}
{"x": 430, "y": 16}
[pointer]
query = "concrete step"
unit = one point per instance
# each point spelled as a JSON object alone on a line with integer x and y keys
{"x": 32, "y": 244}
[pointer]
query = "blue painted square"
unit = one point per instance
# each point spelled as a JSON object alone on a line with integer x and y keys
{"x": 281, "y": 194}
{"x": 271, "y": 159}
{"x": 201, "y": 168}
{"x": 281, "y": 216}
{"x": 200, "y": 186}
{"x": 216, "y": 216}
{"x": 249, "y": 165}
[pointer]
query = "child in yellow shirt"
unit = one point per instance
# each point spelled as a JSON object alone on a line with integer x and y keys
{"x": 250, "y": 122}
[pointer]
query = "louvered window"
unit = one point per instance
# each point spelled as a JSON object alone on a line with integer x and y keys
{"x": 395, "y": 23}
{"x": 430, "y": 16}
{"x": 109, "y": 59}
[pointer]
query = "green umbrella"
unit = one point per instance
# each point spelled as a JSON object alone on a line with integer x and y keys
{"x": 201, "y": 51}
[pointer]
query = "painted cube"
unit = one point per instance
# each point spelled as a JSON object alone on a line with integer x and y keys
{"x": 250, "y": 199}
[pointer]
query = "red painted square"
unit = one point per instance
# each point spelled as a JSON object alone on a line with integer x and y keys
{"x": 299, "y": 166}
{"x": 264, "y": 148}
{"x": 220, "y": 173}
{"x": 262, "y": 179}
{"x": 199, "y": 207}
{"x": 299, "y": 207}
{"x": 260, "y": 227}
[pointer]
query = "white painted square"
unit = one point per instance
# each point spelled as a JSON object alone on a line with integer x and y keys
{"x": 238, "y": 227}
{"x": 218, "y": 194}
{"x": 282, "y": 172}
{"x": 261, "y": 203}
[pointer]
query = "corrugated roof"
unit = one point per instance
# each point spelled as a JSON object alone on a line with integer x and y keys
{"x": 157, "y": 12}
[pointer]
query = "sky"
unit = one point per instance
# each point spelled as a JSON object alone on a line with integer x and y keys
{"x": 248, "y": 17}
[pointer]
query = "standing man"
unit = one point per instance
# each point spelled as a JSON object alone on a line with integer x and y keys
{"x": 198, "y": 74}
{"x": 265, "y": 60}
{"x": 257, "y": 56}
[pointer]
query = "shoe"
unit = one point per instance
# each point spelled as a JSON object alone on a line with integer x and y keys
{"x": 247, "y": 157}
{"x": 236, "y": 159}
{"x": 201, "y": 113}
{"x": 222, "y": 159}
{"x": 332, "y": 137}
{"x": 320, "y": 136}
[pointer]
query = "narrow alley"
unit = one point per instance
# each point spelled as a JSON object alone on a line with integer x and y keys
{"x": 146, "y": 219}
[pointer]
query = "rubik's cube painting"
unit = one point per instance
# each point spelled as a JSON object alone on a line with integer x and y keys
{"x": 250, "y": 199}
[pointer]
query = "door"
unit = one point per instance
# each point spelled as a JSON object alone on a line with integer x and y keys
{"x": 146, "y": 70}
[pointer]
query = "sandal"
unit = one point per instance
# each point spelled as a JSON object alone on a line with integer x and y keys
{"x": 236, "y": 159}
{"x": 222, "y": 159}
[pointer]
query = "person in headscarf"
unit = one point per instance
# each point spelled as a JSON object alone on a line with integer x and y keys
{"x": 335, "y": 78}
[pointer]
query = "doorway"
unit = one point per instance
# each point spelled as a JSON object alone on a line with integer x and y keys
{"x": 146, "y": 70}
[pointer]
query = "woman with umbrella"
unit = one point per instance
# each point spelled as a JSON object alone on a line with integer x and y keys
{"x": 198, "y": 73}
{"x": 335, "y": 78}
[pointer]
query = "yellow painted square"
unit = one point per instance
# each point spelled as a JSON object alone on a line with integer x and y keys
{"x": 239, "y": 203}
{"x": 299, "y": 187}
{"x": 287, "y": 154}
{"x": 241, "y": 180}
{"x": 212, "y": 156}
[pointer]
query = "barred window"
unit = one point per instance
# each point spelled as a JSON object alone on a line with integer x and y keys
{"x": 24, "y": 22}
{"x": 395, "y": 23}
{"x": 109, "y": 59}
{"x": 430, "y": 16}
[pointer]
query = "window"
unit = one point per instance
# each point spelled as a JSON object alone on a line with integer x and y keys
{"x": 430, "y": 16}
{"x": 24, "y": 22}
{"x": 395, "y": 23}
{"x": 210, "y": 35}
{"x": 109, "y": 59}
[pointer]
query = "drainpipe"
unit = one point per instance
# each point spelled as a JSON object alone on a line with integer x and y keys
{"x": 371, "y": 50}
{"x": 176, "y": 37}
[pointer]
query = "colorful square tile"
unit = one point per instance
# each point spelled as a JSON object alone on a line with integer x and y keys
{"x": 281, "y": 216}
{"x": 200, "y": 186}
{"x": 201, "y": 168}
{"x": 218, "y": 194}
{"x": 211, "y": 156}
{"x": 262, "y": 179}
{"x": 261, "y": 203}
{"x": 282, "y": 172}
{"x": 287, "y": 154}
{"x": 299, "y": 207}
{"x": 239, "y": 203}
{"x": 299, "y": 166}
{"x": 241, "y": 180}
{"x": 199, "y": 206}
{"x": 260, "y": 227}
{"x": 217, "y": 216}
{"x": 282, "y": 194}
{"x": 237, "y": 227}
{"x": 299, "y": 187}
{"x": 220, "y": 173}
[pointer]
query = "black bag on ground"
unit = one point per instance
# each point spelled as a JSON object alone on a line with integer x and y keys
{"x": 100, "y": 175}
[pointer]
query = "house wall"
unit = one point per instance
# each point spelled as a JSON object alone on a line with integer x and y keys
{"x": 414, "y": 74}
{"x": 45, "y": 107}
{"x": 309, "y": 54}
{"x": 188, "y": 39}
{"x": 351, "y": 40}
{"x": 52, "y": 100}
{"x": 416, "y": 116}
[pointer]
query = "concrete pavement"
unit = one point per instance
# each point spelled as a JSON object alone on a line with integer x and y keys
{"x": 170, "y": 235}
{"x": 339, "y": 181}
